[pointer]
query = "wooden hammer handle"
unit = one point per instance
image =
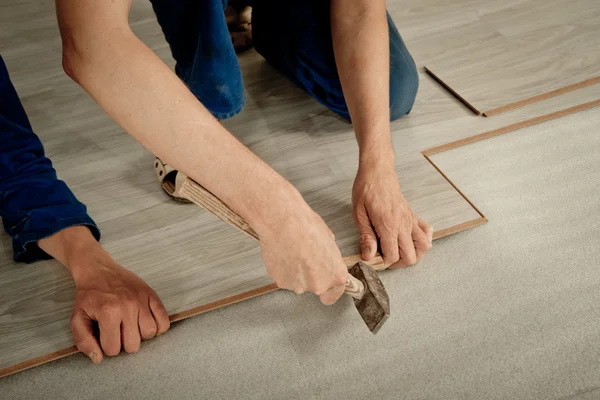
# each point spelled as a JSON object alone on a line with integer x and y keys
{"x": 197, "y": 194}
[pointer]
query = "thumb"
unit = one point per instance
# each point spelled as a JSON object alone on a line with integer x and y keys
{"x": 83, "y": 333}
{"x": 368, "y": 240}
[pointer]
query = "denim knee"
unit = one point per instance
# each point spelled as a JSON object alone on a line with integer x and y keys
{"x": 404, "y": 79}
{"x": 403, "y": 91}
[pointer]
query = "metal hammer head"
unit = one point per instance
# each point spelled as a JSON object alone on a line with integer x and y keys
{"x": 374, "y": 306}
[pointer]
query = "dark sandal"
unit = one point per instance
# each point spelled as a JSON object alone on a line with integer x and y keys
{"x": 240, "y": 27}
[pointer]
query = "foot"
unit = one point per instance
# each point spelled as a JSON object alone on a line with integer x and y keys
{"x": 239, "y": 22}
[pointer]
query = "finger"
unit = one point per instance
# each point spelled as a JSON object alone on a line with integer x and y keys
{"x": 368, "y": 240}
{"x": 110, "y": 332}
{"x": 130, "y": 330}
{"x": 83, "y": 333}
{"x": 160, "y": 315}
{"x": 421, "y": 242}
{"x": 146, "y": 322}
{"x": 389, "y": 249}
{"x": 428, "y": 229}
{"x": 407, "y": 248}
{"x": 332, "y": 295}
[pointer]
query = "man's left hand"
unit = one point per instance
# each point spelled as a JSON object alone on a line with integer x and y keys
{"x": 381, "y": 211}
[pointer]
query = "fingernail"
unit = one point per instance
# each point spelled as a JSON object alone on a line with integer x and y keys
{"x": 94, "y": 357}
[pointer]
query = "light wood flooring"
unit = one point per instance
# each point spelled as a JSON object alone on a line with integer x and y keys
{"x": 502, "y": 55}
{"x": 194, "y": 261}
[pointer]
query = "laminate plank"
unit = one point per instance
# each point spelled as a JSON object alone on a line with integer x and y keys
{"x": 521, "y": 54}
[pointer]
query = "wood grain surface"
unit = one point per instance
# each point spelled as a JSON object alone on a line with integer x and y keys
{"x": 194, "y": 261}
{"x": 520, "y": 52}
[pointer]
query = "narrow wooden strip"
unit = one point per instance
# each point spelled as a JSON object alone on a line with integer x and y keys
{"x": 455, "y": 188}
{"x": 448, "y": 88}
{"x": 376, "y": 263}
{"x": 34, "y": 362}
{"x": 459, "y": 228}
{"x": 543, "y": 96}
{"x": 510, "y": 128}
{"x": 223, "y": 302}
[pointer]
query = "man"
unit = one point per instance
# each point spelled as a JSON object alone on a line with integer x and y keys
{"x": 45, "y": 220}
{"x": 347, "y": 54}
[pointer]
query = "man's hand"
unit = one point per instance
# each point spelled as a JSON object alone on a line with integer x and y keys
{"x": 381, "y": 211}
{"x": 126, "y": 309}
{"x": 301, "y": 254}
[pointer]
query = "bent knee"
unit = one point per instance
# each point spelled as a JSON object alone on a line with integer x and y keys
{"x": 404, "y": 83}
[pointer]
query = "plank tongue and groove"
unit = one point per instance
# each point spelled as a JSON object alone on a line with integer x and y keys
{"x": 520, "y": 53}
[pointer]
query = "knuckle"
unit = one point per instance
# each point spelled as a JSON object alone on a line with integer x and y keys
{"x": 407, "y": 220}
{"x": 110, "y": 311}
{"x": 339, "y": 280}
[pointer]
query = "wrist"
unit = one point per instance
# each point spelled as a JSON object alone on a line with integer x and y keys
{"x": 282, "y": 202}
{"x": 377, "y": 157}
{"x": 375, "y": 149}
{"x": 73, "y": 247}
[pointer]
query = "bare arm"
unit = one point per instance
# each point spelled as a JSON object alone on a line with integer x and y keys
{"x": 361, "y": 47}
{"x": 149, "y": 101}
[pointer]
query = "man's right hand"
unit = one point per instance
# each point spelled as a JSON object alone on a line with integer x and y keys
{"x": 126, "y": 309}
{"x": 301, "y": 254}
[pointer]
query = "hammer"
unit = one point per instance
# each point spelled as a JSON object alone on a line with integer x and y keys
{"x": 363, "y": 284}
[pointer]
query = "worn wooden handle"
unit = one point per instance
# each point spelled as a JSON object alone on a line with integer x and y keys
{"x": 197, "y": 194}
{"x": 354, "y": 287}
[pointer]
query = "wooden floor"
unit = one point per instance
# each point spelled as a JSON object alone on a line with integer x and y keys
{"x": 194, "y": 261}
{"x": 502, "y": 56}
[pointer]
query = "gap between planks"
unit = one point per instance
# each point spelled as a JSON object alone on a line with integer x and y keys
{"x": 516, "y": 104}
{"x": 272, "y": 287}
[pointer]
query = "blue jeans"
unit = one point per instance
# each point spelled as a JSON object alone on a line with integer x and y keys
{"x": 295, "y": 37}
{"x": 34, "y": 203}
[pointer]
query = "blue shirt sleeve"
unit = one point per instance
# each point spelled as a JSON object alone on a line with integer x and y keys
{"x": 34, "y": 203}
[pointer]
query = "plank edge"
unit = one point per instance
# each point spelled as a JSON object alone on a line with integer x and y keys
{"x": 543, "y": 96}
{"x": 510, "y": 128}
{"x": 452, "y": 91}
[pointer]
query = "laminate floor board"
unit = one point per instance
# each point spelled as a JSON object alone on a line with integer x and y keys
{"x": 513, "y": 59}
{"x": 194, "y": 261}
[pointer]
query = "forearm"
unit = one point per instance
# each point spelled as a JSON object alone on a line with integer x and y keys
{"x": 74, "y": 247}
{"x": 152, "y": 104}
{"x": 361, "y": 47}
